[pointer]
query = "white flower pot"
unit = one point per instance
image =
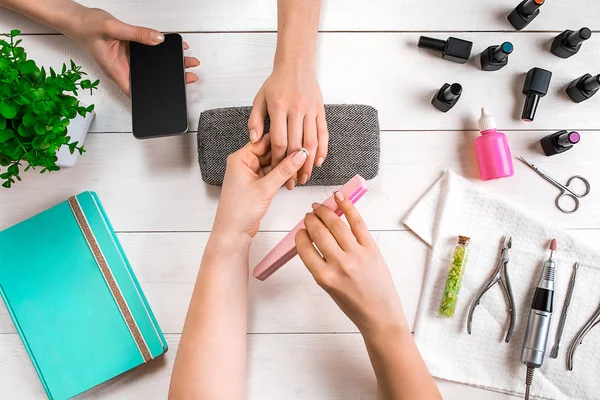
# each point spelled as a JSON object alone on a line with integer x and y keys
{"x": 77, "y": 130}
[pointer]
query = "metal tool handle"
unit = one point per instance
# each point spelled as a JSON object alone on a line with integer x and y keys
{"x": 489, "y": 283}
{"x": 582, "y": 180}
{"x": 572, "y": 197}
{"x": 565, "y": 310}
{"x": 592, "y": 322}
{"x": 536, "y": 338}
{"x": 512, "y": 309}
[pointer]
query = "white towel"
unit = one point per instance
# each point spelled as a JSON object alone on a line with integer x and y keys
{"x": 454, "y": 206}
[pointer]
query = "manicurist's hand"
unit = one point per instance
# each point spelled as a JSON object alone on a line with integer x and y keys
{"x": 292, "y": 98}
{"x": 247, "y": 190}
{"x": 346, "y": 262}
{"x": 106, "y": 40}
{"x": 349, "y": 266}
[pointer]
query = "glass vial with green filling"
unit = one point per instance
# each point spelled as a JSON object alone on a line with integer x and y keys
{"x": 454, "y": 279}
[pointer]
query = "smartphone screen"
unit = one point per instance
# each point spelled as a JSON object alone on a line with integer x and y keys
{"x": 158, "y": 98}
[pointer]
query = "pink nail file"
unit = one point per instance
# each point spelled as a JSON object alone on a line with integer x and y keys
{"x": 286, "y": 249}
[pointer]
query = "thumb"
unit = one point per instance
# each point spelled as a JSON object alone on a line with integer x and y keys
{"x": 284, "y": 171}
{"x": 123, "y": 31}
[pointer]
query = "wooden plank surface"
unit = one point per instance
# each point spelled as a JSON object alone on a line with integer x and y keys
{"x": 166, "y": 265}
{"x": 385, "y": 70}
{"x": 155, "y": 185}
{"x": 367, "y": 53}
{"x": 337, "y": 15}
{"x": 294, "y": 367}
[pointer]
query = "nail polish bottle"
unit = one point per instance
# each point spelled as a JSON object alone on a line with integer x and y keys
{"x": 583, "y": 88}
{"x": 559, "y": 142}
{"x": 496, "y": 57}
{"x": 535, "y": 87}
{"x": 493, "y": 152}
{"x": 453, "y": 49}
{"x": 568, "y": 43}
{"x": 447, "y": 97}
{"x": 524, "y": 13}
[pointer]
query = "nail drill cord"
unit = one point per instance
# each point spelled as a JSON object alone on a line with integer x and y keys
{"x": 528, "y": 381}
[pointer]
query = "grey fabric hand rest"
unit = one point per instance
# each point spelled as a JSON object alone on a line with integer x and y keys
{"x": 354, "y": 145}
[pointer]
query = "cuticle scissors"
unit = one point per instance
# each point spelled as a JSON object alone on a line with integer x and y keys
{"x": 500, "y": 274}
{"x": 566, "y": 190}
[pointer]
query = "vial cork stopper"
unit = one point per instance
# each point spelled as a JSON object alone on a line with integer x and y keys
{"x": 464, "y": 240}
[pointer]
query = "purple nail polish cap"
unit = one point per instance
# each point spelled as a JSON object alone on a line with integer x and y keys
{"x": 574, "y": 137}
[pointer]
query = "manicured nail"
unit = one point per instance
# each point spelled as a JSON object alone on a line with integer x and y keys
{"x": 339, "y": 196}
{"x": 319, "y": 161}
{"x": 157, "y": 37}
{"x": 315, "y": 206}
{"x": 300, "y": 156}
{"x": 290, "y": 184}
{"x": 253, "y": 136}
{"x": 303, "y": 179}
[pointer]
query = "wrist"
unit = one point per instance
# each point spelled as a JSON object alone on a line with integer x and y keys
{"x": 70, "y": 19}
{"x": 384, "y": 332}
{"x": 229, "y": 242}
{"x": 294, "y": 62}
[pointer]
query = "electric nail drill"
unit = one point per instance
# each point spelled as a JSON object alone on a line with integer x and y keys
{"x": 524, "y": 13}
{"x": 559, "y": 142}
{"x": 453, "y": 49}
{"x": 568, "y": 43}
{"x": 496, "y": 57}
{"x": 538, "y": 325}
{"x": 583, "y": 88}
{"x": 535, "y": 87}
{"x": 447, "y": 97}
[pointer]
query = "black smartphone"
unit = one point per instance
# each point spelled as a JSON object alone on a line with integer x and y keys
{"x": 158, "y": 97}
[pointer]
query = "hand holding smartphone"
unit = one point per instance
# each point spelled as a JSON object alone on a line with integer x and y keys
{"x": 158, "y": 94}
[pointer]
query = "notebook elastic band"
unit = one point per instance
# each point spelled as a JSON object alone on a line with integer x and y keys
{"x": 109, "y": 278}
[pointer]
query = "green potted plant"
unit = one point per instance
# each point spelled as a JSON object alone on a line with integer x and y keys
{"x": 36, "y": 109}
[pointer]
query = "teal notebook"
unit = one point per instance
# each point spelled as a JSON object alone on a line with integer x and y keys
{"x": 74, "y": 299}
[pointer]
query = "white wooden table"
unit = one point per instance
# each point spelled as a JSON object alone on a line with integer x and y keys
{"x": 300, "y": 345}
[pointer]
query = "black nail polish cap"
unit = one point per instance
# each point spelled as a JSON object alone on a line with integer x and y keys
{"x": 453, "y": 49}
{"x": 535, "y": 87}
{"x": 559, "y": 142}
{"x": 447, "y": 96}
{"x": 524, "y": 13}
{"x": 569, "y": 42}
{"x": 496, "y": 57}
{"x": 584, "y": 87}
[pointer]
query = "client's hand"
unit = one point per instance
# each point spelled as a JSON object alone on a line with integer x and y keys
{"x": 106, "y": 40}
{"x": 292, "y": 98}
{"x": 349, "y": 266}
{"x": 247, "y": 191}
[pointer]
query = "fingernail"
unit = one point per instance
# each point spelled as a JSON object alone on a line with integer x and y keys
{"x": 339, "y": 196}
{"x": 300, "y": 156}
{"x": 319, "y": 161}
{"x": 157, "y": 37}
{"x": 315, "y": 206}
{"x": 303, "y": 179}
{"x": 253, "y": 136}
{"x": 290, "y": 184}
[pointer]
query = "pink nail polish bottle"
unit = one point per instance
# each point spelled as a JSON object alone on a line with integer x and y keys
{"x": 493, "y": 153}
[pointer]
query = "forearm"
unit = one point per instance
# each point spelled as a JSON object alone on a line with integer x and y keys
{"x": 399, "y": 368}
{"x": 60, "y": 15}
{"x": 211, "y": 358}
{"x": 298, "y": 26}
